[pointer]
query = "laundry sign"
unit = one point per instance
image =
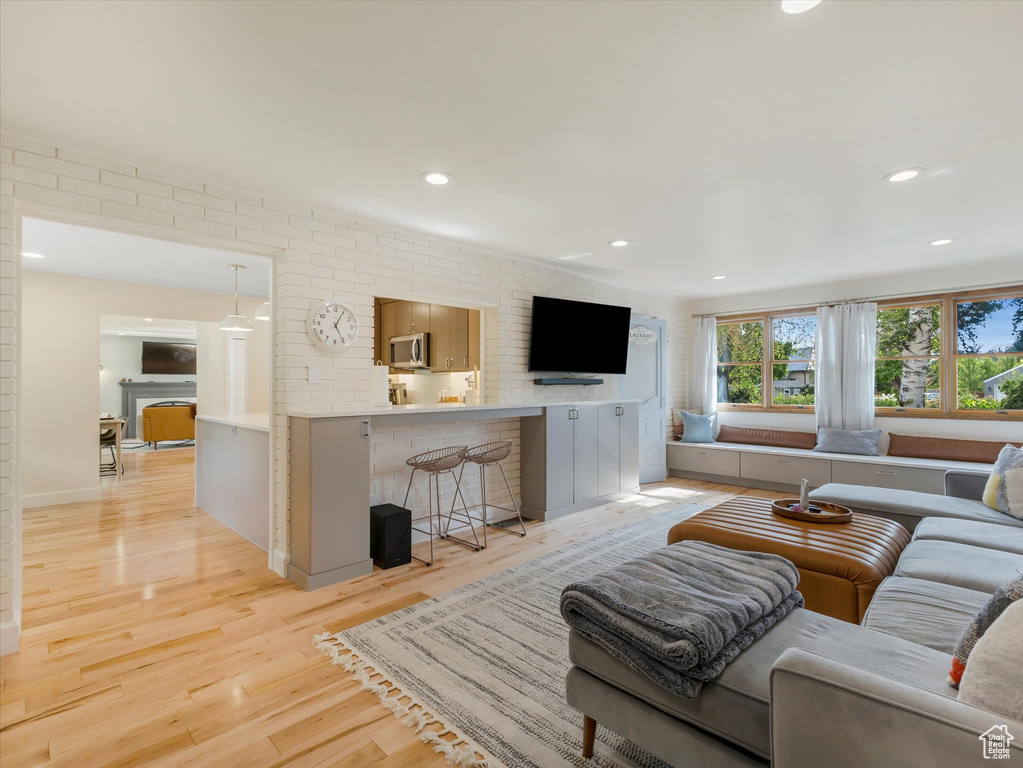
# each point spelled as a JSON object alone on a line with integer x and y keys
{"x": 641, "y": 336}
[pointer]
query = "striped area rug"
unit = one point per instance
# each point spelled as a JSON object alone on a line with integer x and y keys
{"x": 480, "y": 671}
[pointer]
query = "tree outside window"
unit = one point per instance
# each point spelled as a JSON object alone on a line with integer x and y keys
{"x": 740, "y": 362}
{"x": 989, "y": 354}
{"x": 792, "y": 364}
{"x": 907, "y": 371}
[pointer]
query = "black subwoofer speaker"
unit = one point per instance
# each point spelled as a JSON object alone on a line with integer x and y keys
{"x": 390, "y": 535}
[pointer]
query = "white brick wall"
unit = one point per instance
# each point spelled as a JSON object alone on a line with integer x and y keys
{"x": 324, "y": 255}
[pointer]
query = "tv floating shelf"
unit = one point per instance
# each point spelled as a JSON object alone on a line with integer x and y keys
{"x": 558, "y": 382}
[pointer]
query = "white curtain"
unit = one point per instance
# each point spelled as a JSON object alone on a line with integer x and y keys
{"x": 703, "y": 396}
{"x": 844, "y": 375}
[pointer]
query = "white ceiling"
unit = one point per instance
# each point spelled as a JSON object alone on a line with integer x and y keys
{"x": 156, "y": 327}
{"x": 105, "y": 255}
{"x": 719, "y": 137}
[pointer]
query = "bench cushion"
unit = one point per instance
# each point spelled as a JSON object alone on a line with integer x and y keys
{"x": 945, "y": 448}
{"x": 908, "y": 506}
{"x": 736, "y": 705}
{"x": 949, "y": 562}
{"x": 924, "y": 612}
{"x": 780, "y": 438}
{"x": 972, "y": 532}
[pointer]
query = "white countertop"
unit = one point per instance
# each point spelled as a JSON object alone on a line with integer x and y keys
{"x": 260, "y": 421}
{"x": 368, "y": 410}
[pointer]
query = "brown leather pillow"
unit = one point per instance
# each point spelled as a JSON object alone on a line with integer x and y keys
{"x": 678, "y": 428}
{"x": 780, "y": 438}
{"x": 945, "y": 448}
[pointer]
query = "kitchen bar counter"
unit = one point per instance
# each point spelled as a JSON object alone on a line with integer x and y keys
{"x": 574, "y": 455}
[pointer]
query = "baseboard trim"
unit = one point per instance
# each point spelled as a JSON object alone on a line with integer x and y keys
{"x": 33, "y": 500}
{"x": 279, "y": 563}
{"x": 10, "y": 637}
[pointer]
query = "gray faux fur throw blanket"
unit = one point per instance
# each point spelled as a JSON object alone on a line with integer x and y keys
{"x": 681, "y": 613}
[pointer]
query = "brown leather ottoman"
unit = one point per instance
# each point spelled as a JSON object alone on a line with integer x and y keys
{"x": 840, "y": 566}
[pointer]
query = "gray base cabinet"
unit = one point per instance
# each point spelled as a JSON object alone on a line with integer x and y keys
{"x": 330, "y": 471}
{"x": 578, "y": 456}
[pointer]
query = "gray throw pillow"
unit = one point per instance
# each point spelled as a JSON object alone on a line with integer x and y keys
{"x": 858, "y": 441}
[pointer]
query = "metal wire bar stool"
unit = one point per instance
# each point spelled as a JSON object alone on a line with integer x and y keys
{"x": 486, "y": 455}
{"x": 436, "y": 463}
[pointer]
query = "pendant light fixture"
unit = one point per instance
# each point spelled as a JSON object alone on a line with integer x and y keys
{"x": 235, "y": 322}
{"x": 263, "y": 313}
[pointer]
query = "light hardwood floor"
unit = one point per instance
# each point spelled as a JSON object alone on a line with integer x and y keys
{"x": 153, "y": 635}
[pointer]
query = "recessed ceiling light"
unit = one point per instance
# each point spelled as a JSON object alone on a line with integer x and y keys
{"x": 906, "y": 175}
{"x": 28, "y": 255}
{"x": 799, "y": 6}
{"x": 436, "y": 177}
{"x": 942, "y": 241}
{"x": 149, "y": 319}
{"x": 619, "y": 243}
{"x": 120, "y": 334}
{"x": 719, "y": 277}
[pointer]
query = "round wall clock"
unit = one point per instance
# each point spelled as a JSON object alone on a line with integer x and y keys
{"x": 332, "y": 326}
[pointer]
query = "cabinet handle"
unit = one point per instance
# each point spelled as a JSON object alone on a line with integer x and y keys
{"x": 465, "y": 360}
{"x": 701, "y": 453}
{"x": 365, "y": 429}
{"x": 885, "y": 472}
{"x": 780, "y": 461}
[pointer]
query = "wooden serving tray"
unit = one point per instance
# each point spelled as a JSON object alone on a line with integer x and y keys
{"x": 820, "y": 512}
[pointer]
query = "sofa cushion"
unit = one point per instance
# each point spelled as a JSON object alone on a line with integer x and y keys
{"x": 949, "y": 562}
{"x": 972, "y": 532}
{"x": 994, "y": 678}
{"x": 924, "y": 612}
{"x": 944, "y": 448}
{"x": 910, "y": 505}
{"x": 1009, "y": 593}
{"x": 780, "y": 438}
{"x": 1004, "y": 489}
{"x": 736, "y": 705}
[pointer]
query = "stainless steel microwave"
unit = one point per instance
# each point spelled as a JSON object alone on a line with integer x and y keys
{"x": 412, "y": 351}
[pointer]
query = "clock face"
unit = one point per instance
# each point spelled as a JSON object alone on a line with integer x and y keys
{"x": 332, "y": 326}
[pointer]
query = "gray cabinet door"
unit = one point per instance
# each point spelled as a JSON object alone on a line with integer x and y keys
{"x": 339, "y": 495}
{"x": 608, "y": 461}
{"x": 560, "y": 449}
{"x": 587, "y": 452}
{"x": 629, "y": 445}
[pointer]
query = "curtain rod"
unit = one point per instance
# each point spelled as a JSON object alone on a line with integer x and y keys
{"x": 838, "y": 302}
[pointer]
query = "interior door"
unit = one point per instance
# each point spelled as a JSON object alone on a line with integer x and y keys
{"x": 645, "y": 380}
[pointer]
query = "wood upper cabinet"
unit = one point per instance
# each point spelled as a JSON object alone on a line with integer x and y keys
{"x": 387, "y": 330}
{"x": 440, "y": 338}
{"x": 455, "y": 338}
{"x": 475, "y": 342}
{"x": 402, "y": 318}
{"x": 420, "y": 317}
{"x": 458, "y": 329}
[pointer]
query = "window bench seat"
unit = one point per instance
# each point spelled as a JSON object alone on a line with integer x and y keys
{"x": 781, "y": 469}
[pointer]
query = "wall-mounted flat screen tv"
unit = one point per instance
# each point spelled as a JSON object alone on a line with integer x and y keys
{"x": 578, "y": 336}
{"x": 168, "y": 357}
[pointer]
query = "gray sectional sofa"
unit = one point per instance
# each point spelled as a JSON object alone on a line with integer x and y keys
{"x": 816, "y": 691}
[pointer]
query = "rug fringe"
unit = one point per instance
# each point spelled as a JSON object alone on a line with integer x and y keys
{"x": 458, "y": 752}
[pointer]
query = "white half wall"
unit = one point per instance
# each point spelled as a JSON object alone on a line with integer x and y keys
{"x": 60, "y": 372}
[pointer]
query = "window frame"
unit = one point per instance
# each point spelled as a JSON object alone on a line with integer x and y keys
{"x": 739, "y": 320}
{"x": 947, "y": 358}
{"x": 1013, "y": 292}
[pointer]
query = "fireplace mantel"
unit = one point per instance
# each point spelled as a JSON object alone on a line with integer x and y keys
{"x": 131, "y": 391}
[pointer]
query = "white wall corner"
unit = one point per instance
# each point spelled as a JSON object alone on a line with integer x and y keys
{"x": 10, "y": 637}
